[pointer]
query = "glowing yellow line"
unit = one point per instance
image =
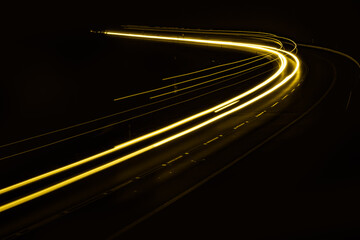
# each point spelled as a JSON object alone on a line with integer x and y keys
{"x": 211, "y": 80}
{"x": 265, "y": 36}
{"x": 260, "y": 114}
{"x": 211, "y": 140}
{"x": 53, "y": 172}
{"x": 230, "y": 104}
{"x": 173, "y": 160}
{"x": 274, "y": 104}
{"x": 118, "y": 113}
{"x": 159, "y": 143}
{"x": 240, "y": 125}
{"x": 217, "y": 66}
{"x": 185, "y": 81}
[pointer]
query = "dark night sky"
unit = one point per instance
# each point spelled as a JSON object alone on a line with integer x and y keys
{"x": 302, "y": 20}
{"x": 329, "y": 23}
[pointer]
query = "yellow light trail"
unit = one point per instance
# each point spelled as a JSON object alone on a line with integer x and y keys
{"x": 191, "y": 79}
{"x": 157, "y": 132}
{"x": 210, "y": 68}
{"x": 212, "y": 80}
{"x": 222, "y": 108}
{"x": 252, "y": 34}
{"x": 283, "y": 63}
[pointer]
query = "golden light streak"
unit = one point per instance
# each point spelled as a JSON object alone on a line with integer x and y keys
{"x": 211, "y": 80}
{"x": 264, "y": 36}
{"x": 230, "y": 104}
{"x": 276, "y": 103}
{"x": 193, "y": 79}
{"x": 283, "y": 63}
{"x": 189, "y": 80}
{"x": 210, "y": 68}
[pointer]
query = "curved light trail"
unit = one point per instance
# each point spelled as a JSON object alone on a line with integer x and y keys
{"x": 289, "y": 66}
{"x": 193, "y": 79}
{"x": 210, "y": 68}
{"x": 152, "y": 103}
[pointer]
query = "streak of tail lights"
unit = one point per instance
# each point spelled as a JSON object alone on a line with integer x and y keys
{"x": 288, "y": 62}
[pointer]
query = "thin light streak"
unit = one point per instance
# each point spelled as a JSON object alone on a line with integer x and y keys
{"x": 264, "y": 36}
{"x": 211, "y": 80}
{"x": 241, "y": 124}
{"x": 128, "y": 110}
{"x": 276, "y": 103}
{"x": 186, "y": 81}
{"x": 222, "y": 108}
{"x": 211, "y": 140}
{"x": 284, "y": 97}
{"x": 217, "y": 66}
{"x": 258, "y": 115}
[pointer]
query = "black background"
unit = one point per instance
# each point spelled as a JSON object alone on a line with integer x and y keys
{"x": 329, "y": 23}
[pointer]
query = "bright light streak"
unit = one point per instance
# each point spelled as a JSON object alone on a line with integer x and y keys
{"x": 230, "y": 104}
{"x": 281, "y": 54}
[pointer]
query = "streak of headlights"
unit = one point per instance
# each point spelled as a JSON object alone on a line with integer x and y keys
{"x": 280, "y": 53}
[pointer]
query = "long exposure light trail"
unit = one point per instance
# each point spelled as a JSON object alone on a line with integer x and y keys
{"x": 141, "y": 106}
{"x": 214, "y": 67}
{"x": 211, "y": 80}
{"x": 257, "y": 58}
{"x": 281, "y": 54}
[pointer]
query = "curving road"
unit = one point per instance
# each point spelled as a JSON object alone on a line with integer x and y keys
{"x": 170, "y": 162}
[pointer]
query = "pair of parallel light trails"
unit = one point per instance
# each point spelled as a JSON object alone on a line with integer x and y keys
{"x": 285, "y": 58}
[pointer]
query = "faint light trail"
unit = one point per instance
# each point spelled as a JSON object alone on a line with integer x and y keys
{"x": 190, "y": 80}
{"x": 212, "y": 80}
{"x": 127, "y": 119}
{"x": 210, "y": 68}
{"x": 258, "y": 115}
{"x": 276, "y": 103}
{"x": 282, "y": 55}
